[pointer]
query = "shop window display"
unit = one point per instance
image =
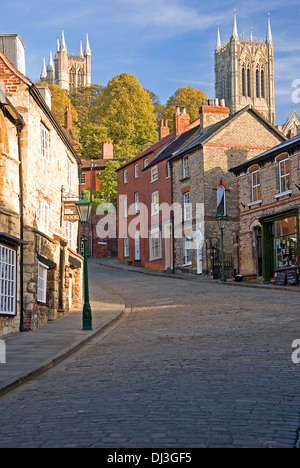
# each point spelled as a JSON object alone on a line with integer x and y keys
{"x": 286, "y": 242}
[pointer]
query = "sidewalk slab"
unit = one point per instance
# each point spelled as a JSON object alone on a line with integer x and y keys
{"x": 29, "y": 354}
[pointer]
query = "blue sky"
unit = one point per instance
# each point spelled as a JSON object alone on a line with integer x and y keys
{"x": 166, "y": 44}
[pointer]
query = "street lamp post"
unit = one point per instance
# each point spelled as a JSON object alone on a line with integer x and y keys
{"x": 84, "y": 209}
{"x": 222, "y": 222}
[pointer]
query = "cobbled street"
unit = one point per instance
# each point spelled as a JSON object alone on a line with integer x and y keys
{"x": 194, "y": 364}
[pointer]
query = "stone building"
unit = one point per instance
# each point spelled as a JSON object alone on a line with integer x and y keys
{"x": 201, "y": 180}
{"x": 11, "y": 226}
{"x": 269, "y": 210}
{"x": 244, "y": 72}
{"x": 39, "y": 167}
{"x": 68, "y": 71}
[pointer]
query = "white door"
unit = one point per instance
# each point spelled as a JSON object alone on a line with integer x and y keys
{"x": 168, "y": 247}
{"x": 199, "y": 259}
{"x": 137, "y": 246}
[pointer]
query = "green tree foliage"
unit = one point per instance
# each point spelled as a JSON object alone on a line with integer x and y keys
{"x": 108, "y": 188}
{"x": 125, "y": 108}
{"x": 189, "y": 97}
{"x": 83, "y": 100}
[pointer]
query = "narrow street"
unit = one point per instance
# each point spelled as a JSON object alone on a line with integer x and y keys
{"x": 192, "y": 365}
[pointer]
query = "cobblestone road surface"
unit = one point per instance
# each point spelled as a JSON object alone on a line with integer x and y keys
{"x": 200, "y": 365}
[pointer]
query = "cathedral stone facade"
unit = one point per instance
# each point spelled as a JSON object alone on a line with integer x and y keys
{"x": 68, "y": 71}
{"x": 244, "y": 72}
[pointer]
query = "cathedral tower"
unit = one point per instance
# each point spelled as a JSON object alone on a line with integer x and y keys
{"x": 244, "y": 72}
{"x": 68, "y": 71}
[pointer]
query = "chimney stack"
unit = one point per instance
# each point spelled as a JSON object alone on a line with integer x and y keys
{"x": 213, "y": 112}
{"x": 68, "y": 118}
{"x": 181, "y": 120}
{"x": 163, "y": 129}
{"x": 108, "y": 150}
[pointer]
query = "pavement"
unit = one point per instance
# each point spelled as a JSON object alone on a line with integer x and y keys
{"x": 115, "y": 263}
{"x": 31, "y": 353}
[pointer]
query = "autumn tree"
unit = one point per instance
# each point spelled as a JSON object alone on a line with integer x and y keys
{"x": 59, "y": 102}
{"x": 126, "y": 110}
{"x": 189, "y": 97}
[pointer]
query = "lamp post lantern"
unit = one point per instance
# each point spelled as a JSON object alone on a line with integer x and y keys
{"x": 222, "y": 222}
{"x": 84, "y": 210}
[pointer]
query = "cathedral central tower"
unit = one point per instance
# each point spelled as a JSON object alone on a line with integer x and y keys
{"x": 68, "y": 71}
{"x": 244, "y": 72}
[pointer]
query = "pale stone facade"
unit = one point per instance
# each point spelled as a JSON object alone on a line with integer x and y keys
{"x": 244, "y": 73}
{"x": 263, "y": 251}
{"x": 215, "y": 150}
{"x": 52, "y": 273}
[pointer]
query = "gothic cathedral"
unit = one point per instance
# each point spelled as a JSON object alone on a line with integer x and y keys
{"x": 244, "y": 72}
{"x": 68, "y": 71}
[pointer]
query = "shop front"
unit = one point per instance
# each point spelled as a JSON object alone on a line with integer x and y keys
{"x": 281, "y": 247}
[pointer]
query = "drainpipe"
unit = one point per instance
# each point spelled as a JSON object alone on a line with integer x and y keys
{"x": 19, "y": 127}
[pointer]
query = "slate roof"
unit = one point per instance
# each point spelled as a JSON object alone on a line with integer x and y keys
{"x": 212, "y": 130}
{"x": 174, "y": 145}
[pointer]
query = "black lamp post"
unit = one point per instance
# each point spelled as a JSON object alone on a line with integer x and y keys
{"x": 222, "y": 222}
{"x": 84, "y": 210}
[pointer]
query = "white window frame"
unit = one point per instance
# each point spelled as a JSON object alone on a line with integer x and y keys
{"x": 155, "y": 250}
{"x": 8, "y": 281}
{"x": 126, "y": 246}
{"x": 219, "y": 197}
{"x": 136, "y": 171}
{"x": 42, "y": 283}
{"x": 83, "y": 178}
{"x": 45, "y": 142}
{"x": 125, "y": 176}
{"x": 255, "y": 186}
{"x": 285, "y": 177}
{"x": 146, "y": 162}
{"x": 44, "y": 210}
{"x": 154, "y": 203}
{"x": 187, "y": 207}
{"x": 154, "y": 174}
{"x": 137, "y": 203}
{"x": 125, "y": 207}
{"x": 168, "y": 170}
{"x": 187, "y": 250}
{"x": 185, "y": 167}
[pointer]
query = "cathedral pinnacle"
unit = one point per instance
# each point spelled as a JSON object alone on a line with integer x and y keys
{"x": 269, "y": 32}
{"x": 63, "y": 47}
{"x": 218, "y": 46}
{"x": 51, "y": 64}
{"x": 81, "y": 50}
{"x": 234, "y": 36}
{"x": 87, "y": 46}
{"x": 44, "y": 71}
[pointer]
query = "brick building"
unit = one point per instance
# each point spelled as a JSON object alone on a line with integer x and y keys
{"x": 39, "y": 167}
{"x": 201, "y": 180}
{"x": 134, "y": 188}
{"x": 269, "y": 210}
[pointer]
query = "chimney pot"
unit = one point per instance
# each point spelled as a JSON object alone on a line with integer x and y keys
{"x": 183, "y": 110}
{"x": 177, "y": 109}
{"x": 217, "y": 102}
{"x": 210, "y": 102}
{"x": 222, "y": 103}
